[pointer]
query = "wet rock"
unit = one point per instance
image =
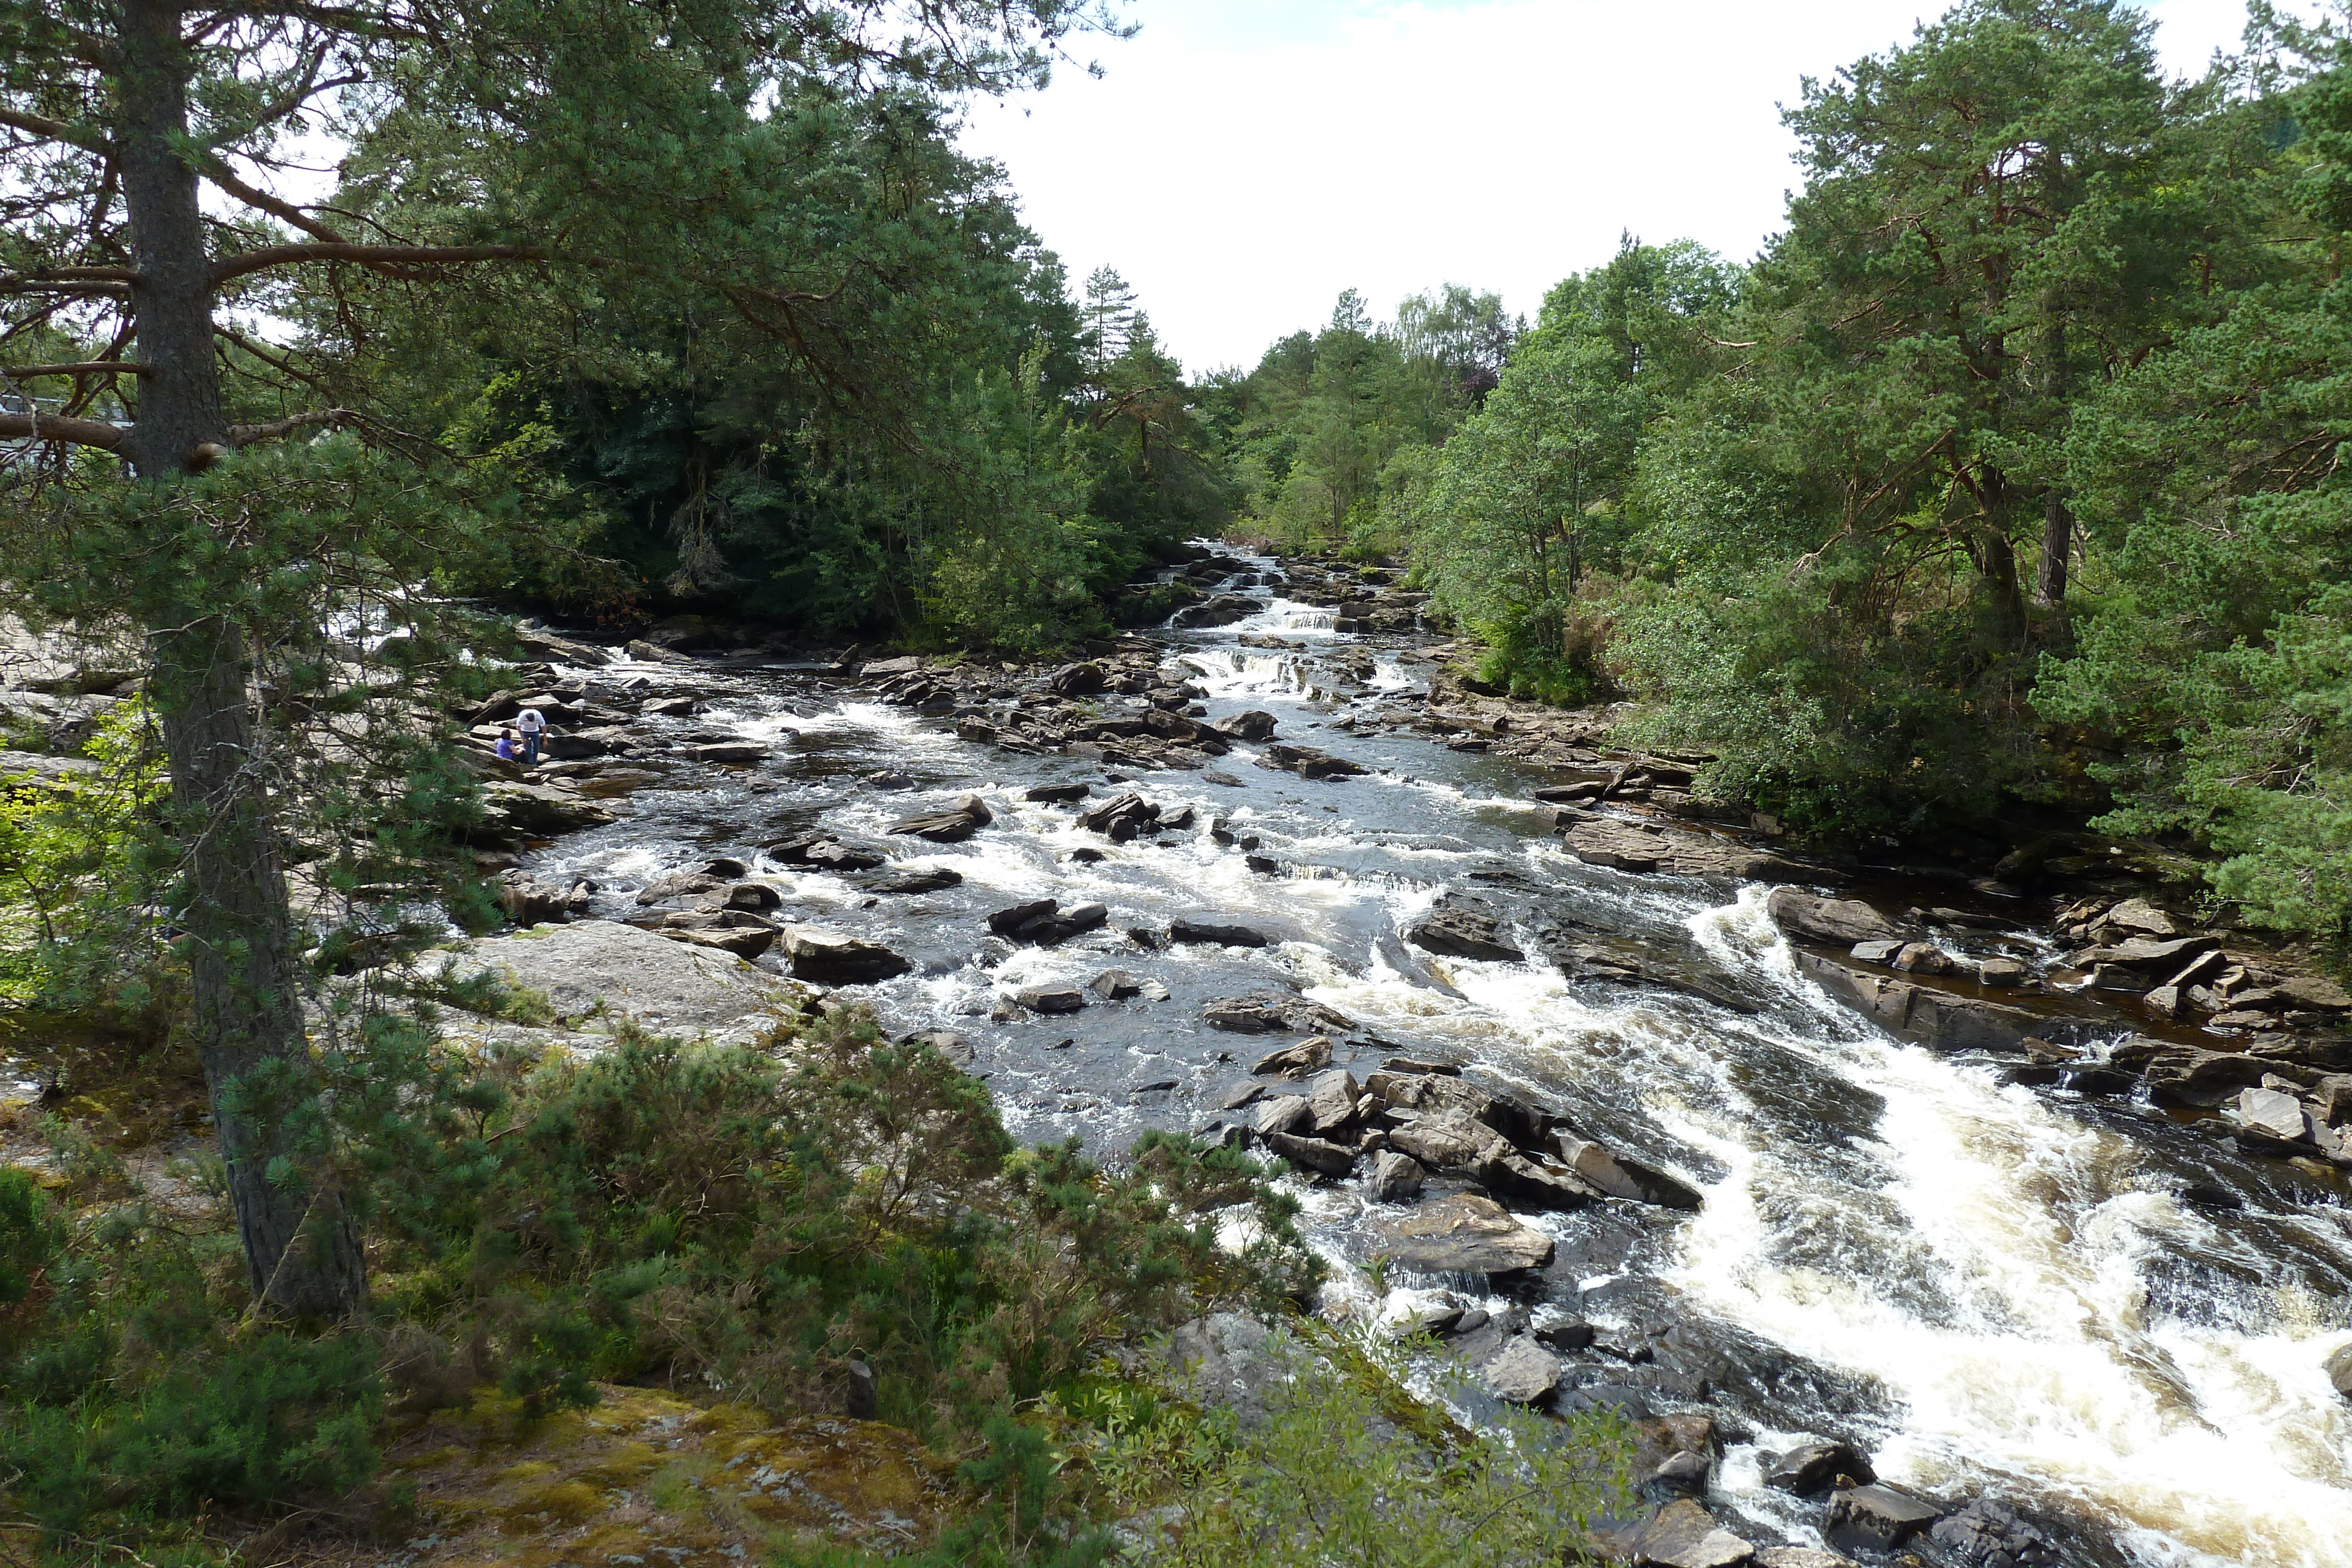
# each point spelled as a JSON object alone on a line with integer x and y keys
{"x": 1051, "y": 998}
{"x": 821, "y": 852}
{"x": 1530, "y": 1183}
{"x": 2317, "y": 994}
{"x": 1254, "y": 726}
{"x": 954, "y": 825}
{"x": 1680, "y": 1475}
{"x": 531, "y": 901}
{"x": 1312, "y": 1153}
{"x": 1842, "y": 921}
{"x": 911, "y": 880}
{"x": 1396, "y": 1177}
{"x": 1309, "y": 1055}
{"x": 1271, "y": 1012}
{"x": 753, "y": 897}
{"x": 1331, "y": 1102}
{"x": 1876, "y": 952}
{"x": 1463, "y": 1234}
{"x": 1116, "y": 986}
{"x": 728, "y": 753}
{"x": 2188, "y": 1076}
{"x": 1800, "y": 1557}
{"x": 1523, "y": 1374}
{"x": 1308, "y": 762}
{"x": 1815, "y": 1467}
{"x": 1875, "y": 1519}
{"x": 1621, "y": 1176}
{"x": 1942, "y": 1020}
{"x": 1121, "y": 818}
{"x": 835, "y": 958}
{"x": 678, "y": 885}
{"x": 1458, "y": 931}
{"x": 1057, "y": 793}
{"x": 1414, "y": 1066}
{"x": 1222, "y": 610}
{"x": 1989, "y": 1534}
{"x": 1569, "y": 1335}
{"x": 1235, "y": 1095}
{"x": 1006, "y": 921}
{"x": 1685, "y": 1535}
{"x": 875, "y": 668}
{"x": 1081, "y": 680}
{"x": 2339, "y": 1368}
{"x": 1057, "y": 926}
{"x": 726, "y": 868}
{"x": 2001, "y": 974}
{"x": 1209, "y": 934}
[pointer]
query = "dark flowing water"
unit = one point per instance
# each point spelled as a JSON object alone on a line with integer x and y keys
{"x": 1990, "y": 1289}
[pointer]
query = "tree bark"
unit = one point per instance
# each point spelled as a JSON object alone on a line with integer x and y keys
{"x": 302, "y": 1252}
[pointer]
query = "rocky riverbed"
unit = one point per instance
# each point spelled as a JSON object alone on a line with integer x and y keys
{"x": 1989, "y": 1213}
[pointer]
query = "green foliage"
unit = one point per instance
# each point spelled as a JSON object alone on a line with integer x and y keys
{"x": 77, "y": 876}
{"x": 134, "y": 1392}
{"x": 1344, "y": 1468}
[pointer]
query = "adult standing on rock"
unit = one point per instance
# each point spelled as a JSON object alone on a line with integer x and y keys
{"x": 533, "y": 724}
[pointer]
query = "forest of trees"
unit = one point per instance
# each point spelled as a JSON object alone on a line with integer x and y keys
{"x": 2006, "y": 485}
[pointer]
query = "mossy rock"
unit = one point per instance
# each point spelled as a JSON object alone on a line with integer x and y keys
{"x": 647, "y": 1478}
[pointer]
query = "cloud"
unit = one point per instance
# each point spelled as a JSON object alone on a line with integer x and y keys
{"x": 1241, "y": 163}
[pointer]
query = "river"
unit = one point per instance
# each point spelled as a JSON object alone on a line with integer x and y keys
{"x": 2112, "y": 1320}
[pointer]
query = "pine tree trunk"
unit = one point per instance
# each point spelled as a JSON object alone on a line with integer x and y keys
{"x": 302, "y": 1252}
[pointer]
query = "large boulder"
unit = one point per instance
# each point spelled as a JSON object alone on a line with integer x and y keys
{"x": 601, "y": 965}
{"x": 513, "y": 809}
{"x": 1943, "y": 1020}
{"x": 1463, "y": 1234}
{"x": 1457, "y": 931}
{"x": 1841, "y": 921}
{"x": 1121, "y": 818}
{"x": 1621, "y": 1176}
{"x": 1653, "y": 847}
{"x": 1253, "y": 726}
{"x": 835, "y": 958}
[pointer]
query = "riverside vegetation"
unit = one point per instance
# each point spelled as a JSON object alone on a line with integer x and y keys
{"x": 2002, "y": 487}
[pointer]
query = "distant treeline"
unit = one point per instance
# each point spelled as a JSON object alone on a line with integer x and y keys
{"x": 2008, "y": 476}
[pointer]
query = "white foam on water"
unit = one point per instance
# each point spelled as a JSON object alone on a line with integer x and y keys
{"x": 2044, "y": 1363}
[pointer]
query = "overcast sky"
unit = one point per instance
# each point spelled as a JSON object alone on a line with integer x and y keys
{"x": 1241, "y": 162}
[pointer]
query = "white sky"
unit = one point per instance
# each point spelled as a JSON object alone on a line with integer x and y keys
{"x": 1241, "y": 162}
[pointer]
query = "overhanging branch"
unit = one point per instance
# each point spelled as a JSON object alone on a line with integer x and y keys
{"x": 397, "y": 260}
{"x": 73, "y": 431}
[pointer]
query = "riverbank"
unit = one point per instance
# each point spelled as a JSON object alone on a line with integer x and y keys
{"x": 1633, "y": 1108}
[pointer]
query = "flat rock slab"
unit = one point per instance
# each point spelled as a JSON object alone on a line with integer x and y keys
{"x": 1646, "y": 847}
{"x": 1842, "y": 921}
{"x": 1463, "y": 1234}
{"x": 664, "y": 985}
{"x": 1943, "y": 1020}
{"x": 1875, "y": 1518}
{"x": 834, "y": 958}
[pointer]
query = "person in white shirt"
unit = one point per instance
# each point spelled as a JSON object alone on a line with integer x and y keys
{"x": 532, "y": 725}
